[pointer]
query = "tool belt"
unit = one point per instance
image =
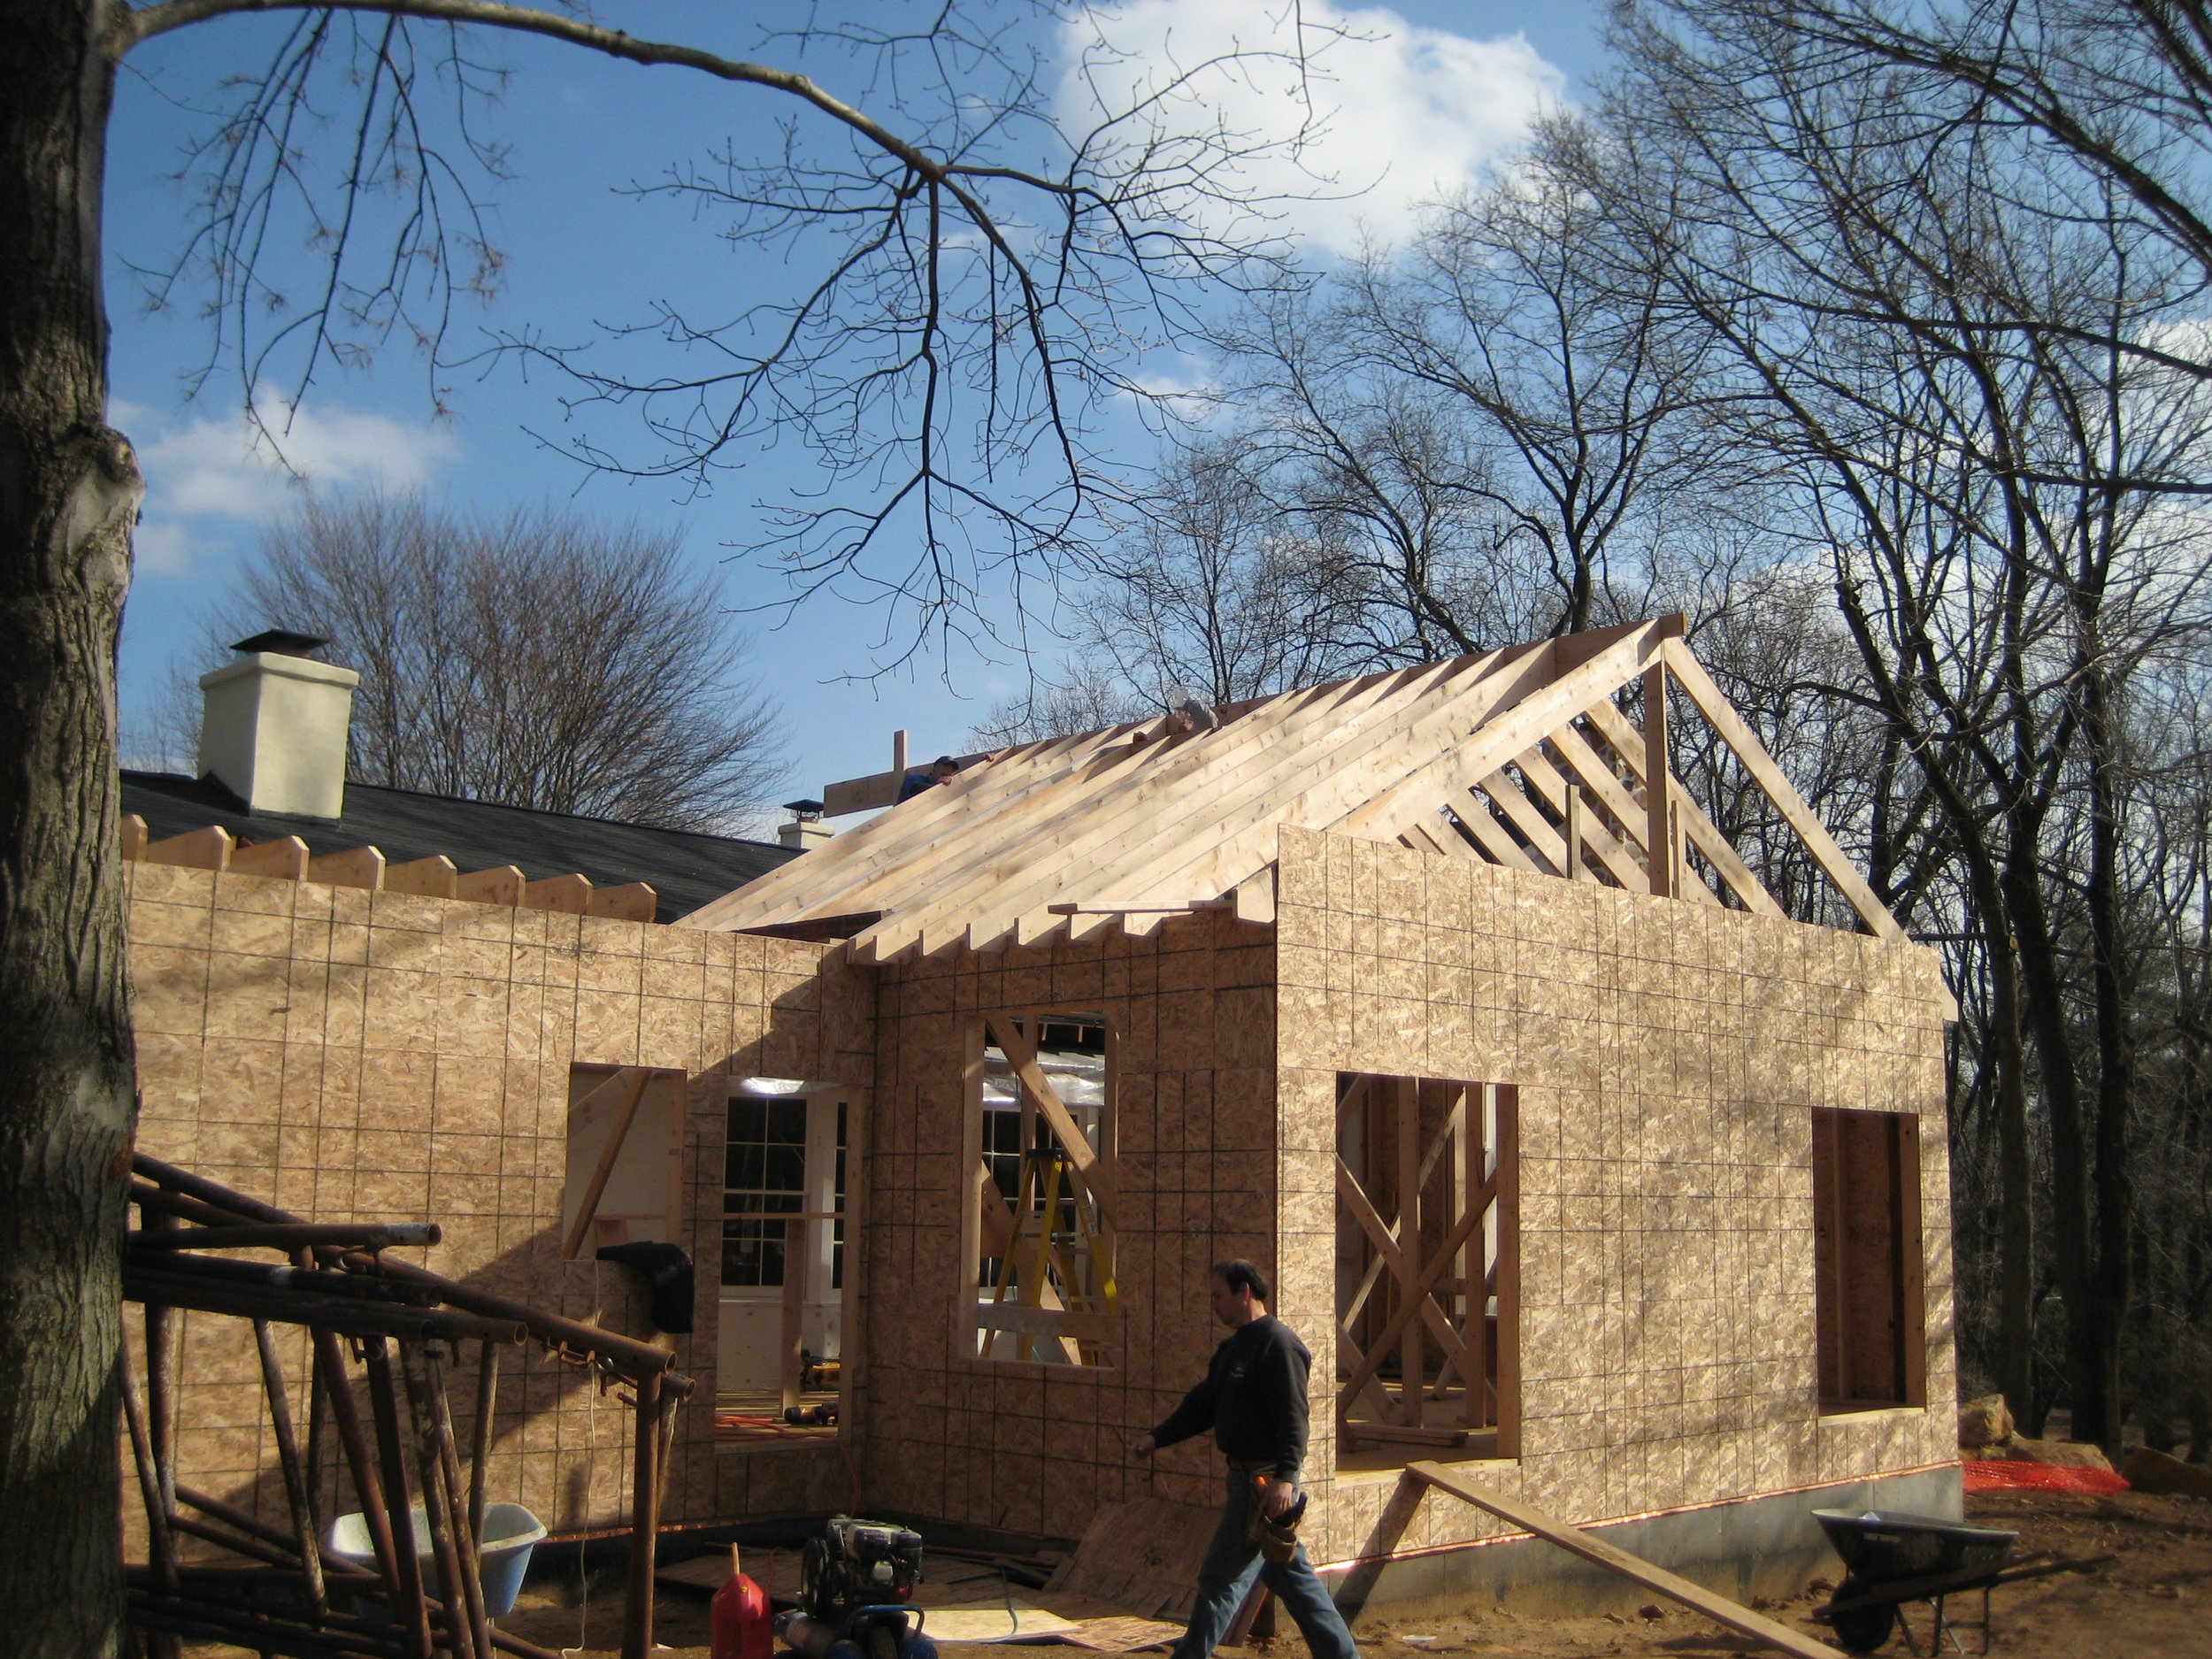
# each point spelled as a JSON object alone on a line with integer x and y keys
{"x": 1276, "y": 1539}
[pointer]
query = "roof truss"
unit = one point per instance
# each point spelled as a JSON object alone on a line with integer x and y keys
{"x": 1520, "y": 756}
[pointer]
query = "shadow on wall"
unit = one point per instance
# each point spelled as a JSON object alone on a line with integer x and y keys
{"x": 1381, "y": 1540}
{"x": 557, "y": 1447}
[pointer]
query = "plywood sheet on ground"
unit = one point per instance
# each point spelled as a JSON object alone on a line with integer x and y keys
{"x": 1013, "y": 1619}
{"x": 1122, "y": 1635}
{"x": 1142, "y": 1556}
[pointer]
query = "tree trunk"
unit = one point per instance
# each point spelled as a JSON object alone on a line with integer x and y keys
{"x": 2112, "y": 1281}
{"x": 69, "y": 491}
{"x": 2015, "y": 1191}
{"x": 2073, "y": 1238}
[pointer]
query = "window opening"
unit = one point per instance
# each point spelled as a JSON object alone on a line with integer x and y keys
{"x": 625, "y": 1174}
{"x": 763, "y": 1171}
{"x": 783, "y": 1242}
{"x": 1427, "y": 1270}
{"x": 1869, "y": 1305}
{"x": 1042, "y": 1265}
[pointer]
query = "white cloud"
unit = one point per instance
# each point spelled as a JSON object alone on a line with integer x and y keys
{"x": 224, "y": 467}
{"x": 1407, "y": 113}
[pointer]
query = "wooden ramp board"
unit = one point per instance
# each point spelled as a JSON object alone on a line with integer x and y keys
{"x": 1142, "y": 1556}
{"x": 1698, "y": 1599}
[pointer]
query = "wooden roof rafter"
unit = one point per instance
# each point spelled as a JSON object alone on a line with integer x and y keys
{"x": 1518, "y": 757}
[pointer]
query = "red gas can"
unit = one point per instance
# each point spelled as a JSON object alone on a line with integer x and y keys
{"x": 741, "y": 1627}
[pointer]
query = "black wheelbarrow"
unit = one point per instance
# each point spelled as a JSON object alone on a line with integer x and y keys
{"x": 1891, "y": 1558}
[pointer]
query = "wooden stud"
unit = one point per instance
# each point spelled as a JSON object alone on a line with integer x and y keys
{"x": 1698, "y": 1600}
{"x": 1703, "y": 833}
{"x": 1038, "y": 1093}
{"x": 432, "y": 878}
{"x": 633, "y": 1078}
{"x": 500, "y": 886}
{"x": 567, "y": 895}
{"x": 208, "y": 848}
{"x": 632, "y": 902}
{"x": 1600, "y": 783}
{"x": 1255, "y": 900}
{"x": 134, "y": 835}
{"x": 1074, "y": 822}
{"x": 898, "y": 752}
{"x": 285, "y": 858}
{"x": 1658, "y": 786}
{"x": 1911, "y": 1259}
{"x": 792, "y": 1333}
{"x": 1118, "y": 846}
{"x": 969, "y": 1258}
{"x": 1613, "y": 858}
{"x": 1405, "y": 1099}
{"x": 1482, "y": 824}
{"x": 1752, "y": 754}
{"x": 1513, "y": 805}
{"x": 1417, "y": 1298}
{"x": 1117, "y": 907}
{"x": 1574, "y": 833}
{"x": 1511, "y": 728}
{"x": 355, "y": 867}
{"x": 1502, "y": 1181}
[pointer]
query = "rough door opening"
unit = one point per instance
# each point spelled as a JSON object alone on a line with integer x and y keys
{"x": 1869, "y": 1301}
{"x": 1040, "y": 1258}
{"x": 779, "y": 1343}
{"x": 1427, "y": 1268}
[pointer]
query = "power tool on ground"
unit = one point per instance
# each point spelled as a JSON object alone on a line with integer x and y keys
{"x": 855, "y": 1580}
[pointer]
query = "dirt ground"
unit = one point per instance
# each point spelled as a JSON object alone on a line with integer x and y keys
{"x": 2153, "y": 1601}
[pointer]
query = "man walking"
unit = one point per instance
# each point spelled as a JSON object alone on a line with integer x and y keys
{"x": 1254, "y": 1399}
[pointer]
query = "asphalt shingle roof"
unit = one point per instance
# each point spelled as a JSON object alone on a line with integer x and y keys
{"x": 686, "y": 869}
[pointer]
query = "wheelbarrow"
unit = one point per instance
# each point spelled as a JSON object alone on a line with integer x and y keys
{"x": 1891, "y": 1557}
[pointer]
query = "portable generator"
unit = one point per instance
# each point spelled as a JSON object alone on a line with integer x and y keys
{"x": 855, "y": 1583}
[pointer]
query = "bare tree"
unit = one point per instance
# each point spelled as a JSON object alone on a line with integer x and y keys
{"x": 1212, "y": 591}
{"x": 2122, "y": 87}
{"x": 971, "y": 277}
{"x": 1922, "y": 321}
{"x": 540, "y": 658}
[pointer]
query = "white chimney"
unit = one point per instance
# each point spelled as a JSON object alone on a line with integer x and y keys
{"x": 806, "y": 828}
{"x": 273, "y": 727}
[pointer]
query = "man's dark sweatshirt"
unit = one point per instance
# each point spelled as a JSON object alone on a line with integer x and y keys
{"x": 1254, "y": 1399}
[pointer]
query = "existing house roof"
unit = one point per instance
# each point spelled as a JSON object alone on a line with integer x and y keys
{"x": 685, "y": 869}
{"x": 1471, "y": 758}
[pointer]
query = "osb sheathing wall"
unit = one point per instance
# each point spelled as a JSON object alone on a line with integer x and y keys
{"x": 351, "y": 1055}
{"x": 1032, "y": 1448}
{"x": 1668, "y": 1056}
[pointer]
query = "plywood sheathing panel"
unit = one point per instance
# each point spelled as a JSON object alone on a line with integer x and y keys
{"x": 1037, "y": 1450}
{"x": 1668, "y": 1058}
{"x": 374, "y": 1055}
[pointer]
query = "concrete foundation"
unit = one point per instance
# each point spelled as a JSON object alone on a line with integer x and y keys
{"x": 1768, "y": 1545}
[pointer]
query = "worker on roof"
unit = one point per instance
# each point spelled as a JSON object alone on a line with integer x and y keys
{"x": 1254, "y": 1399}
{"x": 943, "y": 769}
{"x": 1190, "y": 715}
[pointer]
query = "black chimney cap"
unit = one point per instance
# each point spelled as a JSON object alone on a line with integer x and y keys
{"x": 283, "y": 642}
{"x": 805, "y": 809}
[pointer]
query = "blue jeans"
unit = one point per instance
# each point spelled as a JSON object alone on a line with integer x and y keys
{"x": 1225, "y": 1579}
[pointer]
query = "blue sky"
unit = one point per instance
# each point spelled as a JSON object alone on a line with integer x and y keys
{"x": 1435, "y": 92}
